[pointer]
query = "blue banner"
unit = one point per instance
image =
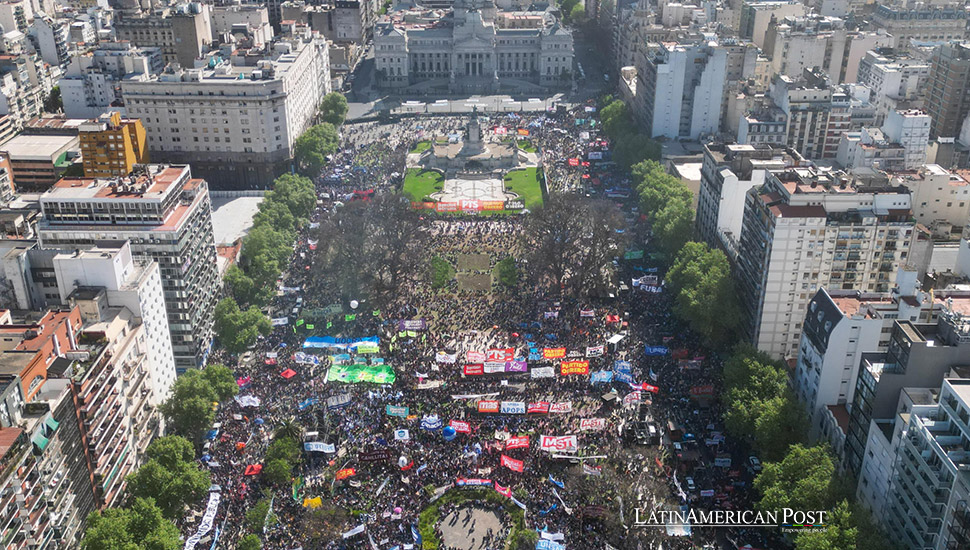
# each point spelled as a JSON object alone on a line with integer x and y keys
{"x": 601, "y": 376}
{"x": 655, "y": 350}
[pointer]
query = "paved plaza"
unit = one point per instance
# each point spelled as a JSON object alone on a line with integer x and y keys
{"x": 466, "y": 528}
{"x": 459, "y": 189}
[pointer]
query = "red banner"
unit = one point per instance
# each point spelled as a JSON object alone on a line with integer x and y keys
{"x": 513, "y": 464}
{"x": 461, "y": 426}
{"x": 520, "y": 442}
{"x": 345, "y": 473}
{"x": 501, "y": 354}
{"x": 504, "y": 491}
{"x": 651, "y": 389}
{"x": 679, "y": 354}
{"x": 474, "y": 370}
{"x": 446, "y": 206}
{"x": 702, "y": 391}
{"x": 574, "y": 162}
{"x": 488, "y": 406}
{"x": 573, "y": 367}
{"x": 542, "y": 407}
{"x": 553, "y": 353}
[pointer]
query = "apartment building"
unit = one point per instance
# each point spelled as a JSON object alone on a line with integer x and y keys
{"x": 183, "y": 33}
{"x": 896, "y": 80}
{"x": 166, "y": 215}
{"x": 818, "y": 113}
{"x": 838, "y": 327}
{"x": 941, "y": 198}
{"x": 235, "y": 123}
{"x": 727, "y": 173}
{"x": 918, "y": 356}
{"x": 680, "y": 87}
{"x": 757, "y": 14}
{"x": 922, "y": 21}
{"x": 92, "y": 82}
{"x": 948, "y": 89}
{"x": 112, "y": 146}
{"x": 807, "y": 228}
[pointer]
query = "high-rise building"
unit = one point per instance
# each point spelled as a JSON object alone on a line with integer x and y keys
{"x": 108, "y": 276}
{"x": 929, "y": 489}
{"x": 728, "y": 171}
{"x": 896, "y": 80}
{"x": 111, "y": 145}
{"x": 167, "y": 217}
{"x": 806, "y": 228}
{"x": 680, "y": 88}
{"x": 948, "y": 89}
{"x": 235, "y": 124}
{"x": 183, "y": 33}
{"x": 941, "y": 198}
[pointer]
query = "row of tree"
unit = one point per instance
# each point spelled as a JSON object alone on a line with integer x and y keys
{"x": 190, "y": 409}
{"x": 630, "y": 146}
{"x": 699, "y": 275}
{"x": 311, "y": 149}
{"x": 266, "y": 251}
{"x": 761, "y": 409}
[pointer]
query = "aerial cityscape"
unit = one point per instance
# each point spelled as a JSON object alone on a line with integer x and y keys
{"x": 484, "y": 275}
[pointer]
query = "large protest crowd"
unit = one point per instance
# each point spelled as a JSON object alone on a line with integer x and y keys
{"x": 480, "y": 378}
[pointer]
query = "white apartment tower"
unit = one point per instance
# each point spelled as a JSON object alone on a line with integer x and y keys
{"x": 135, "y": 284}
{"x": 167, "y": 217}
{"x": 805, "y": 229}
{"x": 679, "y": 89}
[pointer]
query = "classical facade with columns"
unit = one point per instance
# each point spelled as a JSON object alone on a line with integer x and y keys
{"x": 473, "y": 48}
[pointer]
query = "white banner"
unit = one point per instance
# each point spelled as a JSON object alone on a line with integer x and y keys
{"x": 558, "y": 443}
{"x": 543, "y": 372}
{"x": 355, "y": 531}
{"x": 595, "y": 351}
{"x": 402, "y": 435}
{"x": 512, "y": 407}
{"x": 564, "y": 407}
{"x": 592, "y": 424}
{"x": 247, "y": 400}
{"x": 445, "y": 357}
{"x": 279, "y": 321}
{"x": 316, "y": 446}
{"x": 206, "y": 525}
{"x": 551, "y": 536}
{"x": 493, "y": 367}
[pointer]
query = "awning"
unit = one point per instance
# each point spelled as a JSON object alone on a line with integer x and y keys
{"x": 288, "y": 373}
{"x": 39, "y": 441}
{"x": 51, "y": 425}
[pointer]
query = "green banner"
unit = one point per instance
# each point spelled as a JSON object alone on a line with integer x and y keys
{"x": 368, "y": 348}
{"x": 352, "y": 374}
{"x": 633, "y": 255}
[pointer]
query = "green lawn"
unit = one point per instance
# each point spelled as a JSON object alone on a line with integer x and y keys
{"x": 419, "y": 183}
{"x": 526, "y": 146}
{"x": 421, "y": 146}
{"x": 525, "y": 183}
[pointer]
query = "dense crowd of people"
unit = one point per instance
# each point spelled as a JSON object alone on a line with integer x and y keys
{"x": 653, "y": 371}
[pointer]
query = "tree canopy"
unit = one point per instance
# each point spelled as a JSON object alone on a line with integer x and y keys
{"x": 140, "y": 527}
{"x": 701, "y": 276}
{"x": 188, "y": 411}
{"x": 333, "y": 108}
{"x": 221, "y": 379}
{"x": 629, "y": 145}
{"x": 801, "y": 481}
{"x": 506, "y": 273}
{"x": 170, "y": 476}
{"x": 236, "y": 328}
{"x": 369, "y": 248}
{"x": 312, "y": 148}
{"x": 249, "y": 542}
{"x": 759, "y": 406}
{"x": 570, "y": 244}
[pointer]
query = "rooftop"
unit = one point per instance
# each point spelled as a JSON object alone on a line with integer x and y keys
{"x": 152, "y": 185}
{"x": 38, "y": 147}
